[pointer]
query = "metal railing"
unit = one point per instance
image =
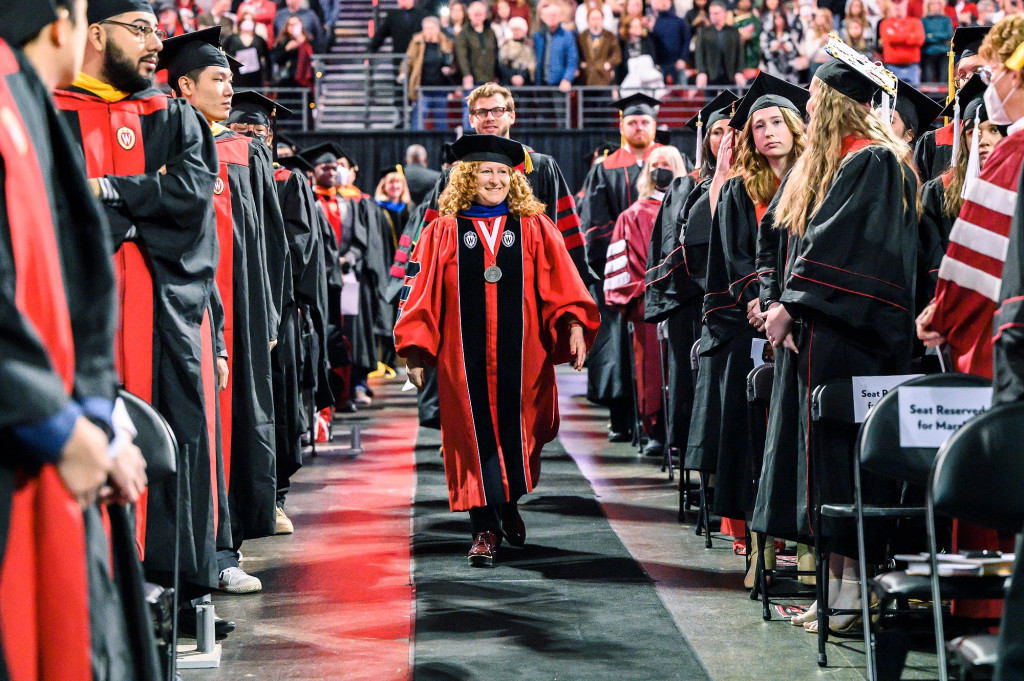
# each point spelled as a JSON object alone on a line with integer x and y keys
{"x": 364, "y": 92}
{"x": 298, "y": 100}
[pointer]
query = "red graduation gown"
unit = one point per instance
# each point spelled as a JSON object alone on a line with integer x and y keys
{"x": 494, "y": 345}
{"x": 624, "y": 273}
{"x": 44, "y": 606}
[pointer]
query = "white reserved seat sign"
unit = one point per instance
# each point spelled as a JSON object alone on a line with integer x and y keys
{"x": 928, "y": 416}
{"x": 867, "y": 390}
{"x": 757, "y": 351}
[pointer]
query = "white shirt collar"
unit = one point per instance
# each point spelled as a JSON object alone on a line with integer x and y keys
{"x": 1017, "y": 126}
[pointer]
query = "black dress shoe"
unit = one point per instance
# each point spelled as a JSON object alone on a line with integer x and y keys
{"x": 188, "y": 626}
{"x": 512, "y": 525}
{"x": 654, "y": 448}
{"x": 484, "y": 549}
{"x": 619, "y": 436}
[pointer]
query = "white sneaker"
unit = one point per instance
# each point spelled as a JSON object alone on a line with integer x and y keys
{"x": 284, "y": 523}
{"x": 235, "y": 581}
{"x": 361, "y": 398}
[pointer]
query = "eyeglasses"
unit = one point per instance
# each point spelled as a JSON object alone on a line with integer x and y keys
{"x": 497, "y": 112}
{"x": 254, "y": 128}
{"x": 138, "y": 30}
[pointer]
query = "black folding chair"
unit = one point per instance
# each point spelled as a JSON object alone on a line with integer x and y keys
{"x": 159, "y": 448}
{"x": 879, "y": 453}
{"x": 666, "y": 395}
{"x": 978, "y": 477}
{"x": 704, "y": 511}
{"x": 639, "y": 436}
{"x": 685, "y": 493}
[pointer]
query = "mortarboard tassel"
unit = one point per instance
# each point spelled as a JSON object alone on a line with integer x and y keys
{"x": 973, "y": 161}
{"x": 527, "y": 162}
{"x": 956, "y": 131}
{"x": 700, "y": 141}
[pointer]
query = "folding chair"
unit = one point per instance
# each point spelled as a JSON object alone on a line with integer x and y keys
{"x": 666, "y": 462}
{"x": 639, "y": 437}
{"x": 704, "y": 511}
{"x": 685, "y": 493}
{"x": 879, "y": 453}
{"x": 159, "y": 448}
{"x": 978, "y": 477}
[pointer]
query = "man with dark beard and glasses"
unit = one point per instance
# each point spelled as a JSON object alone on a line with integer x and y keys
{"x": 153, "y": 162}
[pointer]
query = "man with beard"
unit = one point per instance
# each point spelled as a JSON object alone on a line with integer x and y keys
{"x": 609, "y": 189}
{"x": 492, "y": 111}
{"x": 153, "y": 162}
{"x": 251, "y": 282}
{"x": 299, "y": 370}
{"x": 58, "y": 416}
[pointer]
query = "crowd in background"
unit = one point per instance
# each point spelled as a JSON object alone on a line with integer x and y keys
{"x": 641, "y": 43}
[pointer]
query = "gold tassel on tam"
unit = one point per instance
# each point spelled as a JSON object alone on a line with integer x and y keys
{"x": 527, "y": 162}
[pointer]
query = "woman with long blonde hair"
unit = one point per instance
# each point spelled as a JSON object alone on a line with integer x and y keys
{"x": 850, "y": 209}
{"x": 769, "y": 137}
{"x": 493, "y": 300}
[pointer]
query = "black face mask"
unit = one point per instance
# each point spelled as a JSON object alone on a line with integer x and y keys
{"x": 662, "y": 178}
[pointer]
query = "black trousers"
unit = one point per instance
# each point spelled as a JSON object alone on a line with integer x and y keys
{"x": 488, "y": 518}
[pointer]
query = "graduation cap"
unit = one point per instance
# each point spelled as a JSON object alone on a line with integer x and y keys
{"x": 25, "y": 19}
{"x": 397, "y": 168}
{"x": 765, "y": 92}
{"x": 916, "y": 109}
{"x": 101, "y": 10}
{"x": 714, "y": 111}
{"x": 637, "y": 104}
{"x": 850, "y": 73}
{"x": 282, "y": 140}
{"x": 972, "y": 89}
{"x": 490, "y": 148}
{"x": 295, "y": 163}
{"x": 328, "y": 152}
{"x": 186, "y": 53}
{"x": 966, "y": 40}
{"x": 253, "y": 108}
{"x": 663, "y": 136}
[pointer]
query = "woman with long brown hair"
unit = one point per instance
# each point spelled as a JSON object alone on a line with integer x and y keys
{"x": 850, "y": 209}
{"x": 769, "y": 137}
{"x": 493, "y": 299}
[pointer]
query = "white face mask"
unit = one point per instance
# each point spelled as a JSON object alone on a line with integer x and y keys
{"x": 995, "y": 106}
{"x": 344, "y": 175}
{"x": 247, "y": 26}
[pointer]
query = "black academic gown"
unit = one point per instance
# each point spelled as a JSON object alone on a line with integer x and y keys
{"x": 393, "y": 225}
{"x": 300, "y": 359}
{"x": 933, "y": 152}
{"x": 67, "y": 231}
{"x": 726, "y": 352}
{"x": 551, "y": 189}
{"x": 775, "y": 509}
{"x": 850, "y": 285}
{"x": 934, "y": 228}
{"x": 609, "y": 189}
{"x": 166, "y": 221}
{"x": 673, "y": 297}
{"x": 257, "y": 223}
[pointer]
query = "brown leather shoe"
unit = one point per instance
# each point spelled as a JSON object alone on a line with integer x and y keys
{"x": 484, "y": 549}
{"x": 512, "y": 525}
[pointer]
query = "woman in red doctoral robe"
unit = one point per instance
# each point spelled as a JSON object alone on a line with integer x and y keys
{"x": 493, "y": 299}
{"x": 624, "y": 273}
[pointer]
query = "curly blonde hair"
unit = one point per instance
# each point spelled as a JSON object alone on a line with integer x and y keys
{"x": 758, "y": 178}
{"x": 1002, "y": 39}
{"x": 835, "y": 117}
{"x": 462, "y": 187}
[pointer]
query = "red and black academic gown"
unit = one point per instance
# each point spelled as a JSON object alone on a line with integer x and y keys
{"x": 849, "y": 284}
{"x": 717, "y": 429}
{"x": 933, "y": 152}
{"x": 624, "y": 295}
{"x": 300, "y": 366}
{"x": 550, "y": 188}
{"x": 672, "y": 296}
{"x": 61, "y": 616}
{"x": 494, "y": 345}
{"x": 164, "y": 230}
{"x": 610, "y": 188}
{"x": 247, "y": 405}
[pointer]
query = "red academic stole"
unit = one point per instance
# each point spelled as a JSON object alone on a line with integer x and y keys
{"x": 44, "y": 597}
{"x": 328, "y": 200}
{"x": 230, "y": 151}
